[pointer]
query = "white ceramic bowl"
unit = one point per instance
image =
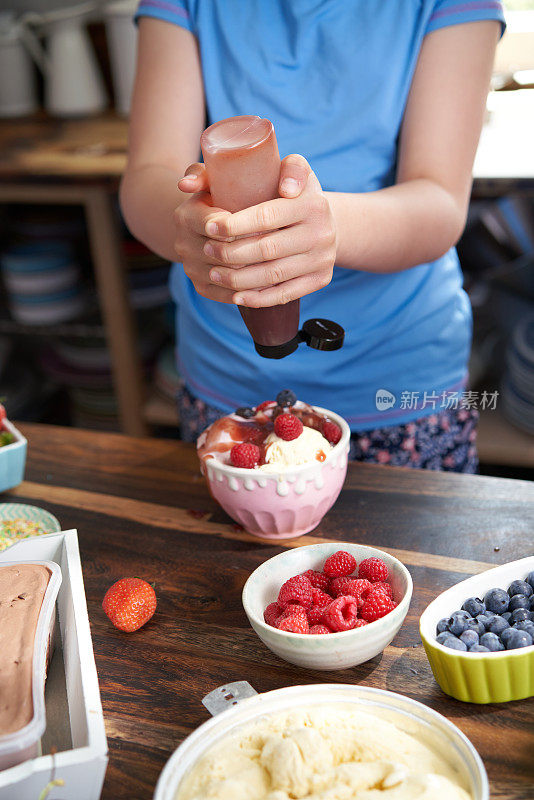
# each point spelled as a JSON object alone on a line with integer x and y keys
{"x": 408, "y": 714}
{"x": 282, "y": 505}
{"x": 321, "y": 651}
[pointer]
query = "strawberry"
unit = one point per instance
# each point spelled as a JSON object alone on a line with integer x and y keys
{"x": 129, "y": 603}
{"x": 3, "y": 416}
{"x": 245, "y": 455}
{"x": 288, "y": 427}
{"x": 331, "y": 431}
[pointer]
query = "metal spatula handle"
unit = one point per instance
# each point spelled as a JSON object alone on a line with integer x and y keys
{"x": 227, "y": 696}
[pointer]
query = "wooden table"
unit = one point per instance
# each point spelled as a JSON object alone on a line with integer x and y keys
{"x": 80, "y": 162}
{"x": 142, "y": 508}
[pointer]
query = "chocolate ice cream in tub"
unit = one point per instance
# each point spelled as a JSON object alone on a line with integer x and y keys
{"x": 288, "y": 484}
{"x": 28, "y": 592}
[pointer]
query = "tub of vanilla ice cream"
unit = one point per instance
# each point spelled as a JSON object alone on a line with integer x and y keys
{"x": 323, "y": 742}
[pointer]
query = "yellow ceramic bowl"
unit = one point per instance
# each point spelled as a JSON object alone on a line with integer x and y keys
{"x": 478, "y": 677}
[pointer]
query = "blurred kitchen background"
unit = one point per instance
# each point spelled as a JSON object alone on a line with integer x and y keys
{"x": 86, "y": 322}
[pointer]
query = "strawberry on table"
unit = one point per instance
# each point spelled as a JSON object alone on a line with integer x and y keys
{"x": 129, "y": 603}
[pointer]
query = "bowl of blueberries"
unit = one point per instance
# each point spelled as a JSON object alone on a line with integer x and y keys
{"x": 479, "y": 635}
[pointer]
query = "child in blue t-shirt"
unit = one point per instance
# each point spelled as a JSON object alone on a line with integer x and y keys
{"x": 383, "y": 100}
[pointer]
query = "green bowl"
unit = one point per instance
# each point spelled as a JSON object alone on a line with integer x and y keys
{"x": 478, "y": 677}
{"x": 39, "y": 522}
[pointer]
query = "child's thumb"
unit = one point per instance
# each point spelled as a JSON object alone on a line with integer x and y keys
{"x": 195, "y": 179}
{"x": 294, "y": 172}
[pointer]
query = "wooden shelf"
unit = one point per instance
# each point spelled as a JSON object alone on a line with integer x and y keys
{"x": 160, "y": 411}
{"x": 500, "y": 442}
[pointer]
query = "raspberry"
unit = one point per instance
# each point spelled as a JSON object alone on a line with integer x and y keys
{"x": 339, "y": 564}
{"x": 294, "y": 624}
{"x": 360, "y": 623}
{"x": 292, "y": 610}
{"x": 342, "y": 613}
{"x": 245, "y": 455}
{"x": 288, "y": 427}
{"x": 315, "y": 614}
{"x": 373, "y": 569}
{"x": 296, "y": 590}
{"x": 331, "y": 431}
{"x": 383, "y": 586}
{"x": 320, "y": 598}
{"x": 317, "y": 579}
{"x": 264, "y": 405}
{"x": 376, "y": 605}
{"x": 315, "y": 629}
{"x": 356, "y": 587}
{"x": 272, "y": 613}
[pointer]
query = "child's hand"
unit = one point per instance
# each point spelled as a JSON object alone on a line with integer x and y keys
{"x": 291, "y": 245}
{"x": 272, "y": 266}
{"x": 190, "y": 219}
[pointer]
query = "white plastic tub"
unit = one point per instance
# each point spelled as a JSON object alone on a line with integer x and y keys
{"x": 408, "y": 714}
{"x": 24, "y": 743}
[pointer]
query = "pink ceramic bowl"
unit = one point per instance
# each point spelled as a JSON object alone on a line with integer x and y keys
{"x": 282, "y": 505}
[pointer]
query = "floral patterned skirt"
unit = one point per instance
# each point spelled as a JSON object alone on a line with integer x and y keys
{"x": 443, "y": 441}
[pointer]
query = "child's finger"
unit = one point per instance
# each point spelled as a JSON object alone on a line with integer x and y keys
{"x": 195, "y": 179}
{"x": 294, "y": 173}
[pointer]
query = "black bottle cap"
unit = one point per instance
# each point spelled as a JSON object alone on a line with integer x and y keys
{"x": 278, "y": 350}
{"x": 322, "y": 334}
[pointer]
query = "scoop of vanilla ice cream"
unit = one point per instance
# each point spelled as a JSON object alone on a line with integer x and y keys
{"x": 281, "y": 454}
{"x": 325, "y": 753}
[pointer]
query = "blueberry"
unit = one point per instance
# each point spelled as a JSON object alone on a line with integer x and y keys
{"x": 441, "y": 638}
{"x": 469, "y": 638}
{"x": 246, "y": 413}
{"x": 506, "y": 615}
{"x": 443, "y": 625}
{"x": 478, "y": 648}
{"x": 517, "y": 639}
{"x": 286, "y": 398}
{"x": 497, "y": 600}
{"x": 519, "y": 615}
{"x": 497, "y": 625}
{"x": 530, "y": 578}
{"x": 505, "y": 635}
{"x": 474, "y": 606}
{"x": 458, "y": 622}
{"x": 456, "y": 644}
{"x": 492, "y": 642}
{"x": 475, "y": 625}
{"x": 487, "y": 618}
{"x": 518, "y": 601}
{"x": 520, "y": 587}
{"x": 531, "y": 600}
{"x": 526, "y": 625}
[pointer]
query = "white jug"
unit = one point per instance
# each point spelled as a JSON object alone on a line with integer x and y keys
{"x": 73, "y": 83}
{"x": 18, "y": 94}
{"x": 121, "y": 34}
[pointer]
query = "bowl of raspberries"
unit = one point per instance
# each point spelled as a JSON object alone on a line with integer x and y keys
{"x": 479, "y": 635}
{"x": 328, "y": 606}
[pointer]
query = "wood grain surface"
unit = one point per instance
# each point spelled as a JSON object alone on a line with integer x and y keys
{"x": 142, "y": 508}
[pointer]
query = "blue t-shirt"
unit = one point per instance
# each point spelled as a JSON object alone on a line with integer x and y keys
{"x": 333, "y": 77}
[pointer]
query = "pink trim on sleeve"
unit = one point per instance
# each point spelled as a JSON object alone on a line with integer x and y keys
{"x": 161, "y": 4}
{"x": 461, "y": 8}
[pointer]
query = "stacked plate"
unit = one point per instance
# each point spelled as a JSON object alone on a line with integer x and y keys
{"x": 42, "y": 279}
{"x": 518, "y": 386}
